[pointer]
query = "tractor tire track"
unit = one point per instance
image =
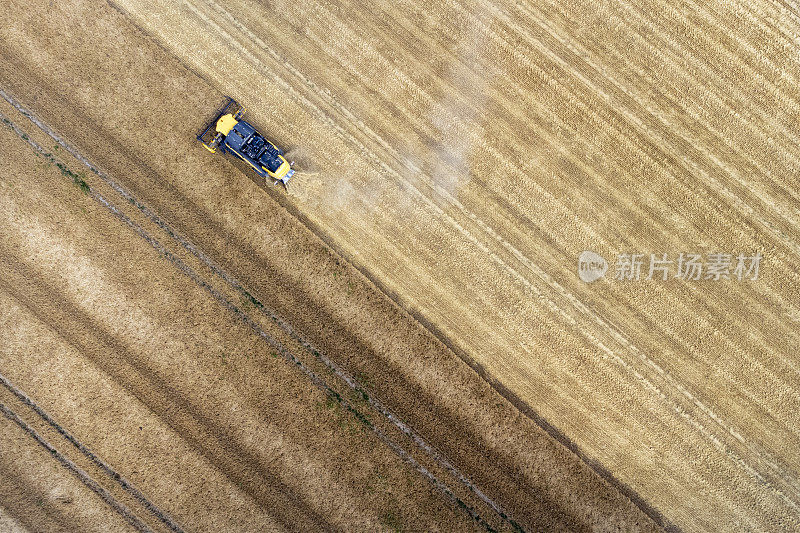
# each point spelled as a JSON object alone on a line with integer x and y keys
{"x": 207, "y": 438}
{"x": 105, "y": 467}
{"x": 84, "y": 478}
{"x": 262, "y": 308}
{"x": 145, "y": 375}
{"x": 317, "y": 380}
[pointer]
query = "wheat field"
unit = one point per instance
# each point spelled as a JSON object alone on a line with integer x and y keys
{"x": 465, "y": 153}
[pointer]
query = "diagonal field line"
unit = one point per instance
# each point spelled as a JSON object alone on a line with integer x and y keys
{"x": 105, "y": 467}
{"x": 106, "y": 496}
{"x": 437, "y": 456}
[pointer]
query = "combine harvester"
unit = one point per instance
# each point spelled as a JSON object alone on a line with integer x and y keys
{"x": 233, "y": 135}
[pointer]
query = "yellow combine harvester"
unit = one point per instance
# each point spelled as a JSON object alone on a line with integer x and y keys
{"x": 230, "y": 134}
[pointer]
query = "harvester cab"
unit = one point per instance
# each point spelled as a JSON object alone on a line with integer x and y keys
{"x": 228, "y": 133}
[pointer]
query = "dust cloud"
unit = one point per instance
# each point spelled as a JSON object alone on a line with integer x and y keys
{"x": 455, "y": 119}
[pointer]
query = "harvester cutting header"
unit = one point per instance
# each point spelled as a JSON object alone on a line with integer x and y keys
{"x": 229, "y": 133}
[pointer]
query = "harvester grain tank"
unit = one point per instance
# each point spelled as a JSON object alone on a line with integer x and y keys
{"x": 228, "y": 133}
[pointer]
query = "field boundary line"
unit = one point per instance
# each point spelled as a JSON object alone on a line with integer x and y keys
{"x": 277, "y": 345}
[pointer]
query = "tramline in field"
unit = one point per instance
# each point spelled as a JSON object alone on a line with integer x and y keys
{"x": 228, "y": 132}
